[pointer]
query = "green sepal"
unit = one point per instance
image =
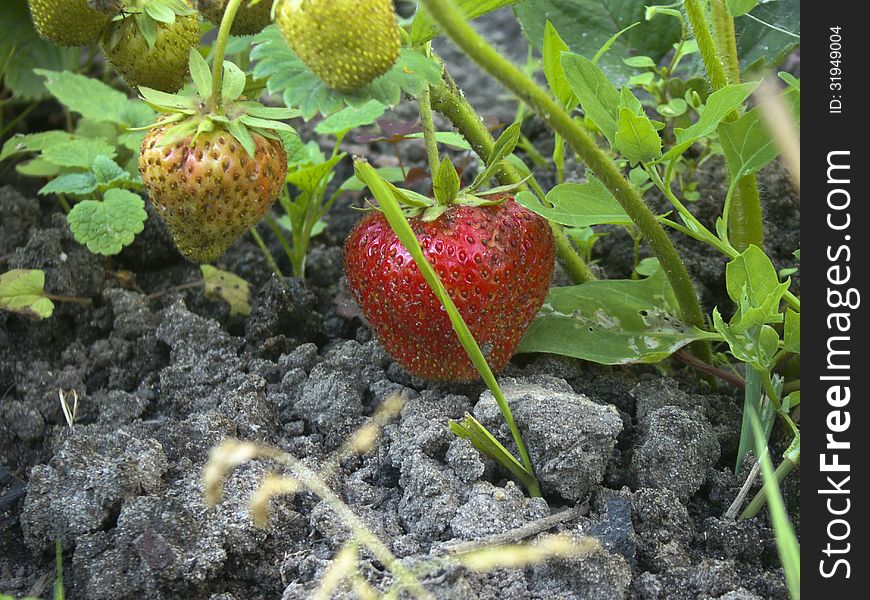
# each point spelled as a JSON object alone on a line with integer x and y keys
{"x": 241, "y": 133}
{"x": 445, "y": 183}
{"x": 433, "y": 212}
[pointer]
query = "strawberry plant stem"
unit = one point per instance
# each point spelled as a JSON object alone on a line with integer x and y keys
{"x": 266, "y": 252}
{"x": 445, "y": 13}
{"x": 449, "y": 101}
{"x": 220, "y": 49}
{"x": 720, "y": 60}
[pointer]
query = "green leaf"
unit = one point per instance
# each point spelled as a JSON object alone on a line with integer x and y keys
{"x": 351, "y": 117}
{"x": 164, "y": 101}
{"x": 309, "y": 179}
{"x": 445, "y": 184}
{"x": 577, "y": 205}
{"x": 747, "y": 142}
{"x": 448, "y": 138}
{"x": 288, "y": 76}
{"x": 598, "y": 97}
{"x": 106, "y": 170}
{"x": 752, "y": 276}
{"x": 423, "y": 27}
{"x": 636, "y": 138}
{"x": 503, "y": 147}
{"x": 640, "y": 62}
{"x": 38, "y": 168}
{"x": 34, "y": 142}
{"x": 79, "y": 153}
{"x": 200, "y": 73}
{"x": 792, "y": 332}
{"x": 106, "y": 227}
{"x": 147, "y": 27}
{"x": 234, "y": 82}
{"x": 266, "y": 124}
{"x": 674, "y": 108}
{"x": 226, "y": 286}
{"x": 718, "y": 105}
{"x": 587, "y": 26}
{"x": 792, "y": 81}
{"x": 612, "y": 321}
{"x": 76, "y": 184}
{"x": 472, "y": 430}
{"x": 241, "y": 133}
{"x": 89, "y": 97}
{"x": 553, "y": 48}
{"x": 21, "y": 291}
{"x": 741, "y": 7}
{"x": 160, "y": 12}
{"x": 255, "y": 109}
{"x": 767, "y": 34}
{"x": 316, "y": 229}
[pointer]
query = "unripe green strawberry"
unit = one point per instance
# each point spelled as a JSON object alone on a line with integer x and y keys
{"x": 250, "y": 19}
{"x": 210, "y": 191}
{"x": 67, "y": 22}
{"x": 347, "y": 43}
{"x": 495, "y": 263}
{"x": 162, "y": 66}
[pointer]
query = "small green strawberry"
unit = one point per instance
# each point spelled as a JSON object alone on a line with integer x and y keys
{"x": 347, "y": 43}
{"x": 67, "y": 22}
{"x": 150, "y": 47}
{"x": 212, "y": 166}
{"x": 252, "y": 16}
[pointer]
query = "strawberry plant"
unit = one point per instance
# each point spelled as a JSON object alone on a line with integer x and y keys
{"x": 453, "y": 279}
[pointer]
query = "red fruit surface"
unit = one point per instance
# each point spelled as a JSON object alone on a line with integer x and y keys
{"x": 495, "y": 262}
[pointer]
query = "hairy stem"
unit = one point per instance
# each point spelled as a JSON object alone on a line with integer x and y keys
{"x": 453, "y": 24}
{"x": 220, "y": 50}
{"x": 449, "y": 101}
{"x": 720, "y": 60}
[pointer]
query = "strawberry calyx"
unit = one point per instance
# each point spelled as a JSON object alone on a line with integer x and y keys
{"x": 191, "y": 114}
{"x": 446, "y": 185}
{"x": 146, "y": 15}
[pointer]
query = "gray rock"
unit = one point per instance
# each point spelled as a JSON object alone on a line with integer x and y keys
{"x": 569, "y": 437}
{"x": 615, "y": 530}
{"x": 599, "y": 575}
{"x": 303, "y": 357}
{"x": 332, "y": 402}
{"x": 424, "y": 425}
{"x": 490, "y": 510}
{"x": 675, "y": 452}
{"x": 465, "y": 460}
{"x": 430, "y": 498}
{"x": 664, "y": 529}
{"x": 83, "y": 487}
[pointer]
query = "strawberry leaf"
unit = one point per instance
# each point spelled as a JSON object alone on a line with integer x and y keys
{"x": 106, "y": 227}
{"x": 76, "y": 184}
{"x": 21, "y": 291}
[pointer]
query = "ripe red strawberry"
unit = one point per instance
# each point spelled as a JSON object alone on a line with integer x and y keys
{"x": 209, "y": 190}
{"x": 496, "y": 263}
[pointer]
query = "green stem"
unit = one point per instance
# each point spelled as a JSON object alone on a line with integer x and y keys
{"x": 760, "y": 499}
{"x": 720, "y": 60}
{"x": 445, "y": 13}
{"x": 266, "y": 253}
{"x": 220, "y": 50}
{"x": 424, "y": 104}
{"x": 449, "y": 101}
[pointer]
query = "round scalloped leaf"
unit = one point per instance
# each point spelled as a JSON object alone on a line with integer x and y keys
{"x": 302, "y": 89}
{"x": 106, "y": 227}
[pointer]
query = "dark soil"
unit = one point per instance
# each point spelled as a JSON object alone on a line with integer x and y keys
{"x": 163, "y": 379}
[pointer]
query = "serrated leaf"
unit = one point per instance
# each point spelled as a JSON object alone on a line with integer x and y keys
{"x": 234, "y": 82}
{"x": 612, "y": 322}
{"x": 578, "y": 205}
{"x": 22, "y": 292}
{"x": 288, "y": 76}
{"x": 106, "y": 170}
{"x": 34, "y": 142}
{"x": 351, "y": 117}
{"x": 76, "y": 184}
{"x": 598, "y": 97}
{"x": 79, "y": 153}
{"x": 226, "y": 286}
{"x": 636, "y": 138}
{"x": 718, "y": 105}
{"x": 87, "y": 96}
{"x": 309, "y": 179}
{"x": 106, "y": 227}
